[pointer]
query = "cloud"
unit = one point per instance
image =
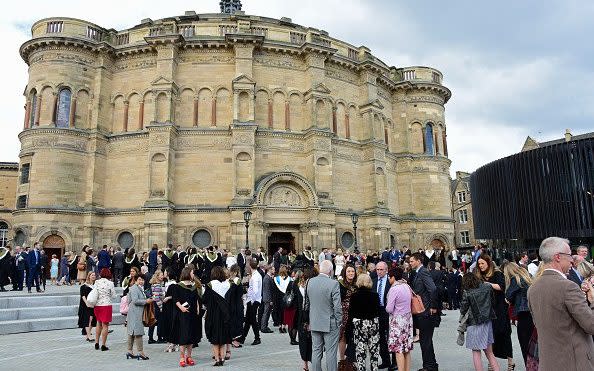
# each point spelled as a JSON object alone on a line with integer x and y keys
{"x": 514, "y": 68}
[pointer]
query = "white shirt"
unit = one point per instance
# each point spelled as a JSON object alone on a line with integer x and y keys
{"x": 532, "y": 269}
{"x": 231, "y": 260}
{"x": 254, "y": 293}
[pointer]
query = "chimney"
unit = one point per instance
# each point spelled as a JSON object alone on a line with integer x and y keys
{"x": 567, "y": 135}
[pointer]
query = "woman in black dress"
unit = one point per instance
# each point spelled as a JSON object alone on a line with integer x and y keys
{"x": 217, "y": 324}
{"x": 130, "y": 260}
{"x": 168, "y": 309}
{"x": 184, "y": 326}
{"x": 301, "y": 317}
{"x": 502, "y": 347}
{"x": 86, "y": 316}
{"x": 236, "y": 309}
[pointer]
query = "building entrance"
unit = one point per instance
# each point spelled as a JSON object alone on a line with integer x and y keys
{"x": 286, "y": 240}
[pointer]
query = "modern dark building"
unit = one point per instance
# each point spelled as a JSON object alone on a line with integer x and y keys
{"x": 545, "y": 190}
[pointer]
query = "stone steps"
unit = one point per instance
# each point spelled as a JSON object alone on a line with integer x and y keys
{"x": 42, "y": 312}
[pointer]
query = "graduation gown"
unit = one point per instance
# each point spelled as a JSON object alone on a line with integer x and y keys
{"x": 184, "y": 326}
{"x": 128, "y": 264}
{"x": 72, "y": 268}
{"x": 165, "y": 260}
{"x": 210, "y": 260}
{"x": 236, "y": 308}
{"x": 4, "y": 266}
{"x": 217, "y": 323}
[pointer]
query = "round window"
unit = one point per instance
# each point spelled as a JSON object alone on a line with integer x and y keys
{"x": 19, "y": 238}
{"x": 126, "y": 240}
{"x": 347, "y": 240}
{"x": 201, "y": 238}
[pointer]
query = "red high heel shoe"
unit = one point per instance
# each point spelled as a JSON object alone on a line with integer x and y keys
{"x": 190, "y": 361}
{"x": 182, "y": 362}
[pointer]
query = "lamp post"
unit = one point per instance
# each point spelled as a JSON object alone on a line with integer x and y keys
{"x": 355, "y": 219}
{"x": 247, "y": 215}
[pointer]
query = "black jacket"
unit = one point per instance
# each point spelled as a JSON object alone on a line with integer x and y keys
{"x": 386, "y": 288}
{"x": 364, "y": 304}
{"x": 423, "y": 285}
{"x": 477, "y": 302}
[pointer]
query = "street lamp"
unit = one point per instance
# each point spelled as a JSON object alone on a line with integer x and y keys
{"x": 355, "y": 219}
{"x": 247, "y": 215}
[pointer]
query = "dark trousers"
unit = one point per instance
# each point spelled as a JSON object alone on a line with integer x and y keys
{"x": 19, "y": 277}
{"x": 151, "y": 330}
{"x": 453, "y": 300}
{"x": 426, "y": 327}
{"x": 117, "y": 276}
{"x": 384, "y": 327}
{"x": 251, "y": 319}
{"x": 264, "y": 314}
{"x": 525, "y": 328}
{"x": 33, "y": 275}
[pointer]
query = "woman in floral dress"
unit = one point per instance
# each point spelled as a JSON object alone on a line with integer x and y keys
{"x": 347, "y": 288}
{"x": 400, "y": 337}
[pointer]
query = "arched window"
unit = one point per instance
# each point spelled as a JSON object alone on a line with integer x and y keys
{"x": 3, "y": 234}
{"x": 33, "y": 107}
{"x": 63, "y": 111}
{"x": 429, "y": 145}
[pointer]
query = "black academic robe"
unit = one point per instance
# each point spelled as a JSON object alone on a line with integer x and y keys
{"x": 165, "y": 261}
{"x": 184, "y": 326}
{"x": 128, "y": 264}
{"x": 217, "y": 322}
{"x": 209, "y": 262}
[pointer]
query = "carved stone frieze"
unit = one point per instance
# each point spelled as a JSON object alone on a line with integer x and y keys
{"x": 124, "y": 65}
{"x": 280, "y": 144}
{"x": 55, "y": 142}
{"x": 342, "y": 74}
{"x": 278, "y": 60}
{"x": 127, "y": 146}
{"x": 421, "y": 99}
{"x": 190, "y": 142}
{"x": 206, "y": 58}
{"x": 346, "y": 153}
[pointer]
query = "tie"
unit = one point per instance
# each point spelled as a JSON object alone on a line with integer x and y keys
{"x": 380, "y": 291}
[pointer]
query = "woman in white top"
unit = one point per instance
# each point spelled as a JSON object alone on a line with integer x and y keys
{"x": 103, "y": 309}
{"x": 339, "y": 261}
{"x": 281, "y": 282}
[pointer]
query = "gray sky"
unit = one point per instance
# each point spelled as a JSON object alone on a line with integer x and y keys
{"x": 515, "y": 68}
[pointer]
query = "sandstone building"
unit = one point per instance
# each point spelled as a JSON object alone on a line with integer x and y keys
{"x": 171, "y": 129}
{"x": 462, "y": 211}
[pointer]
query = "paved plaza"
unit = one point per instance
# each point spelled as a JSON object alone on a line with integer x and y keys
{"x": 66, "y": 350}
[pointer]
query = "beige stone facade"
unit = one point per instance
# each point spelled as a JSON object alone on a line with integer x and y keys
{"x": 170, "y": 130}
{"x": 462, "y": 211}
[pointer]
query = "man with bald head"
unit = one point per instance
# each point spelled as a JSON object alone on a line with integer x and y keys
{"x": 325, "y": 316}
{"x": 561, "y": 313}
{"x": 382, "y": 286}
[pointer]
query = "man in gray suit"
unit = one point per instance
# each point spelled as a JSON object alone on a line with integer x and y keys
{"x": 325, "y": 317}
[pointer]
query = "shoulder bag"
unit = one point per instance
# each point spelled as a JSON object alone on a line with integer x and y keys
{"x": 289, "y": 298}
{"x": 124, "y": 305}
{"x": 416, "y": 303}
{"x": 148, "y": 315}
{"x": 92, "y": 297}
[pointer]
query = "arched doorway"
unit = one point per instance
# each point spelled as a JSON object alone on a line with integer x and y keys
{"x": 53, "y": 244}
{"x": 436, "y": 243}
{"x": 286, "y": 240}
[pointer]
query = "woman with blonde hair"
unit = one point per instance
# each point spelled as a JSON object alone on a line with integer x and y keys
{"x": 157, "y": 294}
{"x": 586, "y": 270}
{"x": 86, "y": 316}
{"x": 517, "y": 282}
{"x": 81, "y": 267}
{"x": 363, "y": 325}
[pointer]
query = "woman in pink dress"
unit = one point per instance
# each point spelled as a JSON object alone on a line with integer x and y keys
{"x": 400, "y": 338}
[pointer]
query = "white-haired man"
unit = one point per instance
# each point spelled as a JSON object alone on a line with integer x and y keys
{"x": 564, "y": 320}
{"x": 325, "y": 316}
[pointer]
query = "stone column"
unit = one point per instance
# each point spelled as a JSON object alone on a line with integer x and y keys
{"x": 214, "y": 111}
{"x": 141, "y": 115}
{"x": 37, "y": 111}
{"x": 195, "y": 113}
{"x": 126, "y": 107}
{"x": 27, "y": 114}
{"x": 347, "y": 124}
{"x": 72, "y": 113}
{"x": 270, "y": 113}
{"x": 287, "y": 116}
{"x": 54, "y": 107}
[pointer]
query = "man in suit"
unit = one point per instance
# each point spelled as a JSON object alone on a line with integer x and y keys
{"x": 152, "y": 261}
{"x": 573, "y": 273}
{"x": 34, "y": 264}
{"x": 381, "y": 285}
{"x": 325, "y": 317}
{"x": 423, "y": 285}
{"x": 385, "y": 257}
{"x": 19, "y": 270}
{"x": 583, "y": 252}
{"x": 118, "y": 266}
{"x": 438, "y": 277}
{"x": 267, "y": 300}
{"x": 103, "y": 259}
{"x": 564, "y": 319}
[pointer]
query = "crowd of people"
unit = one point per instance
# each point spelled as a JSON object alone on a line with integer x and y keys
{"x": 354, "y": 308}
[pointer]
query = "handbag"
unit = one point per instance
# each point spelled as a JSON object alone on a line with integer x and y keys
{"x": 124, "y": 305}
{"x": 346, "y": 365}
{"x": 92, "y": 297}
{"x": 289, "y": 298}
{"x": 416, "y": 303}
{"x": 148, "y": 316}
{"x": 81, "y": 266}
